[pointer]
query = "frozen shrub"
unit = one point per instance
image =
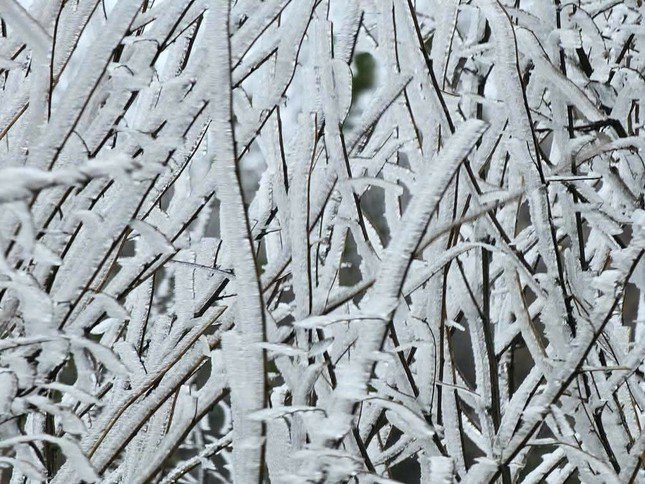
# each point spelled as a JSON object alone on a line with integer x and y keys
{"x": 321, "y": 241}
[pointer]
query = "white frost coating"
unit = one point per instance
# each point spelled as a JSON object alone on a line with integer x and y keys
{"x": 354, "y": 377}
{"x": 272, "y": 241}
{"x": 36, "y": 36}
{"x": 245, "y": 360}
{"x": 20, "y": 183}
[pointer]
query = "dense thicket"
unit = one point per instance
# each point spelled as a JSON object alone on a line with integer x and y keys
{"x": 321, "y": 241}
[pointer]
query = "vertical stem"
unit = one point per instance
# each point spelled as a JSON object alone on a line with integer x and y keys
{"x": 248, "y": 371}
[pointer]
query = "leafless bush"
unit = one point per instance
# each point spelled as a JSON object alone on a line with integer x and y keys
{"x": 229, "y": 252}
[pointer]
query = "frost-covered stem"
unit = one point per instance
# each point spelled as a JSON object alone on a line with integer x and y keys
{"x": 561, "y": 380}
{"x": 190, "y": 189}
{"x": 525, "y": 146}
{"x": 247, "y": 371}
{"x": 209, "y": 451}
{"x": 353, "y": 378}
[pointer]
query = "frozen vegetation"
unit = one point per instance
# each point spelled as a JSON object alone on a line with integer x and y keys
{"x": 319, "y": 241}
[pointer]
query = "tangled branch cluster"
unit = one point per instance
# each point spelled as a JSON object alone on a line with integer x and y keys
{"x": 321, "y": 241}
